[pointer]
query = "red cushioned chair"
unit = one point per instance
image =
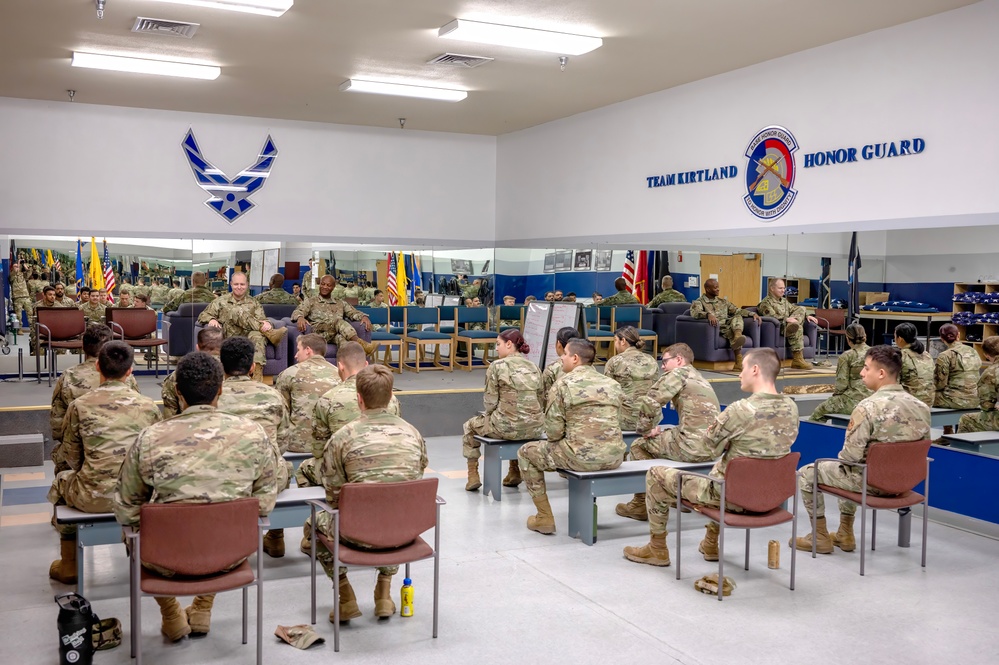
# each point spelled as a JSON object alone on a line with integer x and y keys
{"x": 57, "y": 328}
{"x": 137, "y": 328}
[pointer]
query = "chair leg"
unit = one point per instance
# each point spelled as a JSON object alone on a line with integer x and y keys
{"x": 437, "y": 568}
{"x": 874, "y": 529}
{"x": 863, "y": 539}
{"x": 246, "y": 606}
{"x": 747, "y": 549}
{"x": 679, "y": 517}
{"x": 312, "y": 561}
{"x": 794, "y": 537}
{"x": 721, "y": 550}
{"x": 926, "y": 519}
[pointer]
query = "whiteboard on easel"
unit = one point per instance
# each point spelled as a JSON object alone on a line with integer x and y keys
{"x": 564, "y": 315}
{"x": 536, "y": 330}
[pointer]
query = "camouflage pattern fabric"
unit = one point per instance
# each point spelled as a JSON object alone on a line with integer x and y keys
{"x": 337, "y": 407}
{"x": 512, "y": 400}
{"x": 244, "y": 397}
{"x": 849, "y": 388}
{"x": 175, "y": 293}
{"x": 696, "y": 404}
{"x": 956, "y": 377}
{"x": 201, "y": 294}
{"x": 635, "y": 371}
{"x": 276, "y": 297}
{"x": 171, "y": 399}
{"x": 889, "y": 415}
{"x": 619, "y": 298}
{"x": 810, "y": 389}
{"x": 66, "y": 301}
{"x": 729, "y": 316}
{"x": 159, "y": 294}
{"x": 140, "y": 291}
{"x": 32, "y": 341}
{"x": 669, "y": 295}
{"x": 20, "y": 296}
{"x": 301, "y": 386}
{"x": 782, "y": 309}
{"x": 761, "y": 425}
{"x": 239, "y": 318}
{"x": 378, "y": 447}
{"x": 329, "y": 317}
{"x": 552, "y": 373}
{"x": 93, "y": 313}
{"x": 307, "y": 287}
{"x": 987, "y": 420}
{"x": 367, "y": 296}
{"x": 339, "y": 292}
{"x": 917, "y": 375}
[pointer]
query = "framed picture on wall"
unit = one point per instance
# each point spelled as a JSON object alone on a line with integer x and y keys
{"x": 603, "y": 259}
{"x": 584, "y": 259}
{"x": 550, "y": 262}
{"x": 461, "y": 266}
{"x": 563, "y": 260}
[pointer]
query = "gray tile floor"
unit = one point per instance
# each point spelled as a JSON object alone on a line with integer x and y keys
{"x": 510, "y": 595}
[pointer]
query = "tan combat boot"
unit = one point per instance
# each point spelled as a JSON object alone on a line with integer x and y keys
{"x": 544, "y": 521}
{"x": 737, "y": 367}
{"x": 798, "y": 361}
{"x": 274, "y": 543}
{"x": 384, "y": 607}
{"x": 709, "y": 546}
{"x": 63, "y": 569}
{"x": 199, "y": 614}
{"x": 370, "y": 348}
{"x": 306, "y": 545}
{"x": 258, "y": 373}
{"x": 348, "y": 601}
{"x": 634, "y": 509}
{"x": 174, "y": 620}
{"x": 823, "y": 544}
{"x": 791, "y": 328}
{"x": 513, "y": 478}
{"x": 738, "y": 342}
{"x": 275, "y": 335}
{"x": 474, "y": 482}
{"x": 654, "y": 553}
{"x": 844, "y": 538}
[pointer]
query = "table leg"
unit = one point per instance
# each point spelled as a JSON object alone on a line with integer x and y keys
{"x": 581, "y": 511}
{"x": 492, "y": 471}
{"x": 80, "y": 557}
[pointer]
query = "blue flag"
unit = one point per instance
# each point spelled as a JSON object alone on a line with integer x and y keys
{"x": 417, "y": 277}
{"x": 79, "y": 267}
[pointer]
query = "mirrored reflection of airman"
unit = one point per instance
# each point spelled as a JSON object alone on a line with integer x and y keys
{"x": 723, "y": 315}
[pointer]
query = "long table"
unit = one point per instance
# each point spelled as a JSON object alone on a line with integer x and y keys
{"x": 938, "y": 416}
{"x": 929, "y": 317}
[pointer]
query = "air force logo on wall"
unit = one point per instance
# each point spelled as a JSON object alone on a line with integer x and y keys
{"x": 770, "y": 173}
{"x": 229, "y": 198}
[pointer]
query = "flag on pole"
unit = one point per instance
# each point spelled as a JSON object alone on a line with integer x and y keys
{"x": 35, "y": 256}
{"x": 390, "y": 285}
{"x": 853, "y": 279}
{"x": 400, "y": 279}
{"x": 641, "y": 287}
{"x": 417, "y": 277}
{"x": 109, "y": 281}
{"x": 79, "y": 267}
{"x": 96, "y": 274}
{"x": 629, "y": 269}
{"x": 49, "y": 261}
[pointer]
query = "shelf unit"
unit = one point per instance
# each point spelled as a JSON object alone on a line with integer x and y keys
{"x": 804, "y": 287}
{"x": 980, "y": 330}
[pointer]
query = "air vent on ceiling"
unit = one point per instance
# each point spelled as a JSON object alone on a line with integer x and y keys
{"x": 459, "y": 60}
{"x": 156, "y": 26}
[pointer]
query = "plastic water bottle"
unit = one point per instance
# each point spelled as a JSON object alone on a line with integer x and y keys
{"x": 407, "y": 598}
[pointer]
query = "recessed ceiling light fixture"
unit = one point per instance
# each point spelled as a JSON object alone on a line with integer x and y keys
{"x": 403, "y": 90}
{"x": 120, "y": 63}
{"x": 526, "y": 38}
{"x": 262, "y": 7}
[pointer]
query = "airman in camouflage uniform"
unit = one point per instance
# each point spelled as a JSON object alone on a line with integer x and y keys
{"x": 367, "y": 296}
{"x": 512, "y": 399}
{"x": 199, "y": 292}
{"x": 209, "y": 341}
{"x": 328, "y": 317}
{"x": 763, "y": 425}
{"x": 159, "y": 293}
{"x": 93, "y": 310}
{"x": 307, "y": 288}
{"x": 62, "y": 300}
{"x": 241, "y": 316}
{"x": 583, "y": 426}
{"x": 140, "y": 288}
{"x": 635, "y": 370}
{"x": 723, "y": 314}
{"x": 19, "y": 292}
{"x": 549, "y": 377}
{"x": 469, "y": 291}
{"x": 668, "y": 294}
{"x": 917, "y": 375}
{"x": 276, "y": 295}
{"x": 791, "y": 317}
{"x": 889, "y": 415}
{"x": 849, "y": 388}
{"x": 176, "y": 293}
{"x": 48, "y": 301}
{"x": 956, "y": 373}
{"x": 986, "y": 420}
{"x": 378, "y": 447}
{"x": 622, "y": 297}
{"x": 301, "y": 386}
{"x": 352, "y": 291}
{"x": 697, "y": 407}
{"x": 200, "y": 456}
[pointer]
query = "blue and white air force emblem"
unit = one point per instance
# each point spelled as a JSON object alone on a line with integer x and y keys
{"x": 229, "y": 198}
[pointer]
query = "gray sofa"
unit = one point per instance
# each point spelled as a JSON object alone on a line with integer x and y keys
{"x": 293, "y": 334}
{"x": 706, "y": 340}
{"x": 771, "y": 336}
{"x": 663, "y": 320}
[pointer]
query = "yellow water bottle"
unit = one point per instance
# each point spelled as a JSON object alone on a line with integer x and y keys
{"x": 407, "y": 598}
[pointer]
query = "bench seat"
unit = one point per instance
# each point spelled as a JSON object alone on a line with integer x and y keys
{"x": 939, "y": 417}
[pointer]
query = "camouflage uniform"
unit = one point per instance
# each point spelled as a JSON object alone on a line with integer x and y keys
{"x": 328, "y": 317}
{"x": 159, "y": 294}
{"x": 276, "y": 297}
{"x": 307, "y": 287}
{"x": 513, "y": 405}
{"x": 670, "y": 295}
{"x": 889, "y": 415}
{"x": 378, "y": 447}
{"x": 352, "y": 292}
{"x": 339, "y": 292}
{"x": 729, "y": 316}
{"x": 65, "y": 301}
{"x": 956, "y": 377}
{"x": 469, "y": 291}
{"x": 697, "y": 407}
{"x": 100, "y": 427}
{"x": 635, "y": 371}
{"x": 32, "y": 337}
{"x": 917, "y": 375}
{"x": 987, "y": 420}
{"x": 849, "y": 388}
{"x": 94, "y": 313}
{"x": 384, "y": 305}
{"x": 762, "y": 425}
{"x": 170, "y": 396}
{"x": 782, "y": 309}
{"x": 242, "y": 396}
{"x": 552, "y": 373}
{"x": 19, "y": 294}
{"x": 125, "y": 288}
{"x": 197, "y": 294}
{"x": 239, "y": 318}
{"x": 141, "y": 291}
{"x": 367, "y": 296}
{"x": 175, "y": 293}
{"x": 619, "y": 298}
{"x": 583, "y": 427}
{"x": 301, "y": 386}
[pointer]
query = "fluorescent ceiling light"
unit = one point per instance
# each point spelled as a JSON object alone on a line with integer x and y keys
{"x": 262, "y": 7}
{"x": 119, "y": 63}
{"x": 403, "y": 90}
{"x": 528, "y": 38}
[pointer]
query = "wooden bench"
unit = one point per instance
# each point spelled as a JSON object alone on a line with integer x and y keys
{"x": 975, "y": 442}
{"x": 938, "y": 416}
{"x": 495, "y": 451}
{"x": 586, "y": 486}
{"x": 290, "y": 510}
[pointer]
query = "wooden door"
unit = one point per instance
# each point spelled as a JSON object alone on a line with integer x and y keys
{"x": 381, "y": 267}
{"x": 738, "y": 276}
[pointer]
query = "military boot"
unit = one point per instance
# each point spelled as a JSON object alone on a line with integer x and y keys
{"x": 634, "y": 509}
{"x": 474, "y": 482}
{"x": 544, "y": 521}
{"x": 709, "y": 546}
{"x": 738, "y": 342}
{"x": 174, "y": 620}
{"x": 791, "y": 328}
{"x": 737, "y": 367}
{"x": 258, "y": 373}
{"x": 274, "y": 543}
{"x": 63, "y": 569}
{"x": 306, "y": 545}
{"x": 654, "y": 553}
{"x": 275, "y": 335}
{"x": 199, "y": 614}
{"x": 370, "y": 348}
{"x": 513, "y": 478}
{"x": 823, "y": 544}
{"x": 844, "y": 538}
{"x": 348, "y": 601}
{"x": 384, "y": 607}
{"x": 798, "y": 361}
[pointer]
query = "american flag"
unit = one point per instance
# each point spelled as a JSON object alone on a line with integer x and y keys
{"x": 393, "y": 299}
{"x": 629, "y": 269}
{"x": 109, "y": 282}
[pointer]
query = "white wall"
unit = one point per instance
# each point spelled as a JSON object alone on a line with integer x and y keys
{"x": 934, "y": 78}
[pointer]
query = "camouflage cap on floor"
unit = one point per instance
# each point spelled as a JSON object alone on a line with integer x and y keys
{"x": 301, "y": 637}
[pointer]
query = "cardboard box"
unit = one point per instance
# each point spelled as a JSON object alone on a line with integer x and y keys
{"x": 870, "y": 297}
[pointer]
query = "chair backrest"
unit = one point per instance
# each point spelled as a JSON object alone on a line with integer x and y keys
{"x": 761, "y": 484}
{"x": 606, "y": 313}
{"x": 591, "y": 315}
{"x": 397, "y": 314}
{"x": 135, "y": 323}
{"x": 192, "y": 309}
{"x": 420, "y": 315}
{"x": 511, "y": 312}
{"x": 379, "y": 316}
{"x": 63, "y": 322}
{"x": 895, "y": 468}
{"x": 278, "y": 311}
{"x": 388, "y": 515}
{"x": 351, "y": 301}
{"x": 198, "y": 539}
{"x": 835, "y": 317}
{"x": 628, "y": 315}
{"x": 448, "y": 313}
{"x": 472, "y": 315}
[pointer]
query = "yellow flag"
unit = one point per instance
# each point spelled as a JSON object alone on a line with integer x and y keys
{"x": 400, "y": 278}
{"x": 49, "y": 261}
{"x": 96, "y": 271}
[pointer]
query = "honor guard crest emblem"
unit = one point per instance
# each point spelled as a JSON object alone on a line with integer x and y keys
{"x": 770, "y": 173}
{"x": 229, "y": 198}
